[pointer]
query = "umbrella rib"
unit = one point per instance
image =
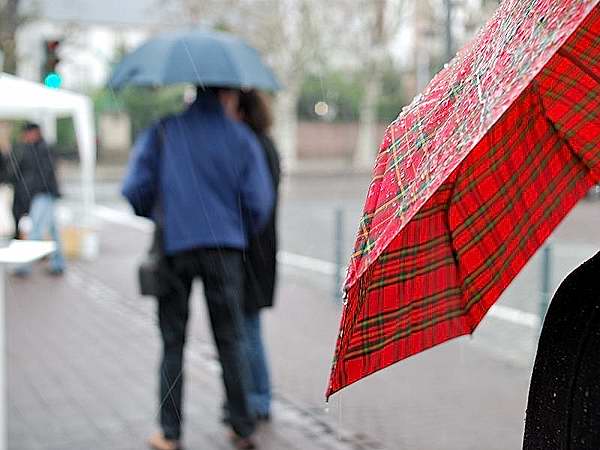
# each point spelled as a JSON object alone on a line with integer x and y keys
{"x": 194, "y": 66}
{"x": 579, "y": 65}
{"x": 564, "y": 140}
{"x": 447, "y": 222}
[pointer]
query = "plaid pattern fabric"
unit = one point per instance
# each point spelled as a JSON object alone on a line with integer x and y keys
{"x": 470, "y": 180}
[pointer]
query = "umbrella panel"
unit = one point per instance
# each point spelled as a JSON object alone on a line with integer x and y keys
{"x": 450, "y": 263}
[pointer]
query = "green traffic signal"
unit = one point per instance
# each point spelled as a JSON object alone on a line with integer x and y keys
{"x": 53, "y": 80}
{"x": 49, "y": 76}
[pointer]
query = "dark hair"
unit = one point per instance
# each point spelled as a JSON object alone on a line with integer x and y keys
{"x": 215, "y": 90}
{"x": 30, "y": 126}
{"x": 255, "y": 111}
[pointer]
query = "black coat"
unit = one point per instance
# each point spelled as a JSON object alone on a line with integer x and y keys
{"x": 563, "y": 411}
{"x": 260, "y": 259}
{"x": 31, "y": 170}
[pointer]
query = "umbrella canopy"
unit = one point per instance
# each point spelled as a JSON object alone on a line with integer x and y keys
{"x": 470, "y": 180}
{"x": 203, "y": 58}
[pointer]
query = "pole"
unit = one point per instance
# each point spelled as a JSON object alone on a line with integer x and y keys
{"x": 546, "y": 281}
{"x": 3, "y": 350}
{"x": 449, "y": 40}
{"x": 338, "y": 240}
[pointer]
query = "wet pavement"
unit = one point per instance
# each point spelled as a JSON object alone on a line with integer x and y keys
{"x": 83, "y": 349}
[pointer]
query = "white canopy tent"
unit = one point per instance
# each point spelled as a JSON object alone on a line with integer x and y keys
{"x": 22, "y": 99}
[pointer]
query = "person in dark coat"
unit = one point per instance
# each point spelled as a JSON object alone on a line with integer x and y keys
{"x": 204, "y": 177}
{"x": 21, "y": 200}
{"x": 32, "y": 172}
{"x": 260, "y": 263}
{"x": 563, "y": 410}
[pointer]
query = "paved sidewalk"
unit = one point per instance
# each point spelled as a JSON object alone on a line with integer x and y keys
{"x": 82, "y": 354}
{"x": 83, "y": 351}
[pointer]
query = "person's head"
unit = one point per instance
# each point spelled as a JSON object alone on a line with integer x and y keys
{"x": 228, "y": 98}
{"x": 254, "y": 110}
{"x": 30, "y": 133}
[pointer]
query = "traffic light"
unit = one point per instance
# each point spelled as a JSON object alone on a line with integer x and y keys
{"x": 50, "y": 76}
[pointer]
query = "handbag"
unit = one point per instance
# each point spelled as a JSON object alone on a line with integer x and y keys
{"x": 154, "y": 273}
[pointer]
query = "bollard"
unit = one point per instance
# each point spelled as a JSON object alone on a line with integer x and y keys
{"x": 338, "y": 243}
{"x": 546, "y": 281}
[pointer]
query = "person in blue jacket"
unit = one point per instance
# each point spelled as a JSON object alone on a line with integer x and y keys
{"x": 204, "y": 178}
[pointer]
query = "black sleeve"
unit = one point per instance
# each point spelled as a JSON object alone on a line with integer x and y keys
{"x": 273, "y": 159}
{"x": 4, "y": 167}
{"x": 11, "y": 166}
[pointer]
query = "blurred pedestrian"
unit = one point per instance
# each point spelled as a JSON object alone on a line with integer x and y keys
{"x": 20, "y": 202}
{"x": 260, "y": 263}
{"x": 31, "y": 170}
{"x": 201, "y": 175}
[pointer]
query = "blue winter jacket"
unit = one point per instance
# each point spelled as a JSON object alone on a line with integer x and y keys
{"x": 215, "y": 187}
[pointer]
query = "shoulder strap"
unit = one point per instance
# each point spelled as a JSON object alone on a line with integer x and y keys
{"x": 159, "y": 217}
{"x": 162, "y": 135}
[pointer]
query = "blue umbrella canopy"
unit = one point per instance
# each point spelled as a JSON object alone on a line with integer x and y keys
{"x": 204, "y": 58}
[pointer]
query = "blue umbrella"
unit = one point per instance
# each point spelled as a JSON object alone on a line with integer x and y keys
{"x": 204, "y": 58}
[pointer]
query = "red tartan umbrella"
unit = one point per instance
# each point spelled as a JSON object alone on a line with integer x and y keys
{"x": 470, "y": 180}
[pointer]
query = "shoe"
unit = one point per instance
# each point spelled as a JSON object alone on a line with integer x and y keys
{"x": 226, "y": 417}
{"x": 56, "y": 272}
{"x": 243, "y": 443}
{"x": 158, "y": 442}
{"x": 21, "y": 273}
{"x": 263, "y": 417}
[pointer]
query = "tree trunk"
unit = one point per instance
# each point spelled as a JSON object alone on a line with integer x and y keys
{"x": 285, "y": 130}
{"x": 367, "y": 141}
{"x": 8, "y": 29}
{"x": 366, "y": 147}
{"x": 422, "y": 29}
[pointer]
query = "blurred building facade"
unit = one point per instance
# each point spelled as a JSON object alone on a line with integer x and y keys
{"x": 91, "y": 34}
